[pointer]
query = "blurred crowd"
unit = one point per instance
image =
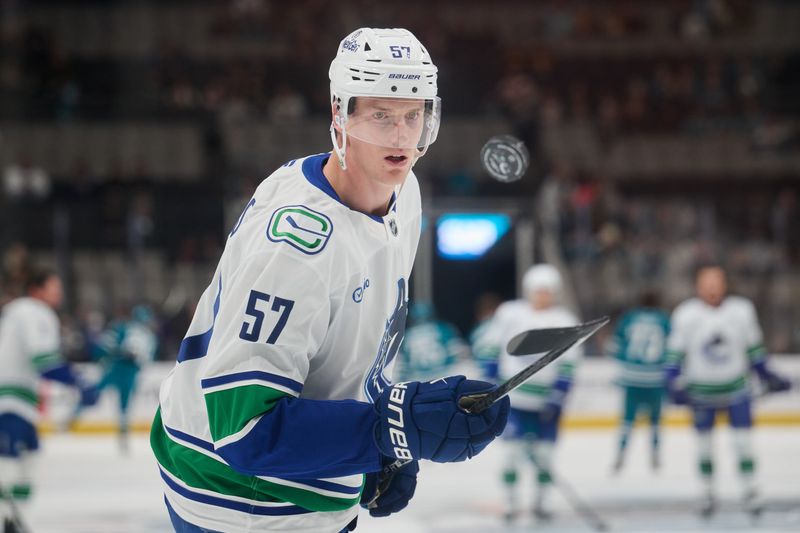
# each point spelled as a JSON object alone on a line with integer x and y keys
{"x": 286, "y": 80}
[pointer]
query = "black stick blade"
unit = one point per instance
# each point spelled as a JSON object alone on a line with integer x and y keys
{"x": 542, "y": 340}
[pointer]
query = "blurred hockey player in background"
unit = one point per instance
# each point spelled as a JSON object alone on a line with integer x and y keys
{"x": 431, "y": 348}
{"x": 714, "y": 344}
{"x": 639, "y": 345}
{"x": 536, "y": 406}
{"x": 30, "y": 348}
{"x": 484, "y": 355}
{"x": 123, "y": 349}
{"x": 281, "y": 412}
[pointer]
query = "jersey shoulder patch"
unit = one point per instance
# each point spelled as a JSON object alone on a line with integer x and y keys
{"x": 301, "y": 228}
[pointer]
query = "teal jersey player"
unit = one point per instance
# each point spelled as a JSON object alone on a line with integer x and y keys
{"x": 431, "y": 347}
{"x": 639, "y": 345}
{"x": 123, "y": 349}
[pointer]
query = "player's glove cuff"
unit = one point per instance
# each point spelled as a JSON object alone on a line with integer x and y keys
{"x": 396, "y": 496}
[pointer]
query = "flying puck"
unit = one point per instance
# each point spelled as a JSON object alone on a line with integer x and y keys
{"x": 505, "y": 158}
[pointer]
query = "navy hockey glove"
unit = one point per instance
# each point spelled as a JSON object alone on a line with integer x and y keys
{"x": 678, "y": 396}
{"x": 772, "y": 381}
{"x": 89, "y": 395}
{"x": 776, "y": 383}
{"x": 423, "y": 421}
{"x": 396, "y": 496}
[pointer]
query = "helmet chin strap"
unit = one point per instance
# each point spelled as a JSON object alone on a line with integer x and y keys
{"x": 341, "y": 151}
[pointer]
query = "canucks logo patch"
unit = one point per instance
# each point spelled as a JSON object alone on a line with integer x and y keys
{"x": 301, "y": 227}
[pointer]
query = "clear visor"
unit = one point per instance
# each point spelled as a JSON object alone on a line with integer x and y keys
{"x": 401, "y": 123}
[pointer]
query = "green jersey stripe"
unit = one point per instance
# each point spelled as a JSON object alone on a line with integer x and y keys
{"x": 230, "y": 410}
{"x": 201, "y": 471}
{"x": 44, "y": 361}
{"x": 567, "y": 368}
{"x": 673, "y": 356}
{"x": 718, "y": 388}
{"x": 756, "y": 352}
{"x": 534, "y": 389}
{"x": 646, "y": 377}
{"x": 487, "y": 353}
{"x": 22, "y": 393}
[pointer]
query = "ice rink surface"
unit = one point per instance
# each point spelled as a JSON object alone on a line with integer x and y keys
{"x": 84, "y": 485}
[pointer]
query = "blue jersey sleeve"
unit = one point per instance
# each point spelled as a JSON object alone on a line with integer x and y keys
{"x": 302, "y": 439}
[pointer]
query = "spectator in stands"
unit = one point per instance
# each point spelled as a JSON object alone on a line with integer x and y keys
{"x": 25, "y": 181}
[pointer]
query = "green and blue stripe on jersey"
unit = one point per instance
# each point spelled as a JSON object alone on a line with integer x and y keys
{"x": 261, "y": 453}
{"x": 719, "y": 391}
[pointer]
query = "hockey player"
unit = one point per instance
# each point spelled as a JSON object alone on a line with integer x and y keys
{"x": 714, "y": 344}
{"x": 639, "y": 344}
{"x": 535, "y": 406}
{"x": 123, "y": 349}
{"x": 484, "y": 354}
{"x": 281, "y": 410}
{"x": 30, "y": 342}
{"x": 431, "y": 346}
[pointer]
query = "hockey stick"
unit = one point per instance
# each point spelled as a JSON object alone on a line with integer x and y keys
{"x": 584, "y": 511}
{"x": 476, "y": 403}
{"x": 542, "y": 340}
{"x": 16, "y": 515}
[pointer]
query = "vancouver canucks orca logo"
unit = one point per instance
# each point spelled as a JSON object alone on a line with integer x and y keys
{"x": 716, "y": 349}
{"x": 390, "y": 342}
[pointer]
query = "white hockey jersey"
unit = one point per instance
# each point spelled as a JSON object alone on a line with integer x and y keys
{"x": 30, "y": 343}
{"x": 512, "y": 318}
{"x": 715, "y": 346}
{"x": 309, "y": 300}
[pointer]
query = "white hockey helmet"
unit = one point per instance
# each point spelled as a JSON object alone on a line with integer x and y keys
{"x": 541, "y": 277}
{"x": 394, "y": 75}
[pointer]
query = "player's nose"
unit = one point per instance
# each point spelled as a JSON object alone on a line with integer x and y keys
{"x": 400, "y": 134}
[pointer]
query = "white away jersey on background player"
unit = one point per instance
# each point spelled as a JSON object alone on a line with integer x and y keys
{"x": 715, "y": 346}
{"x": 30, "y": 343}
{"x": 309, "y": 299}
{"x": 515, "y": 317}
